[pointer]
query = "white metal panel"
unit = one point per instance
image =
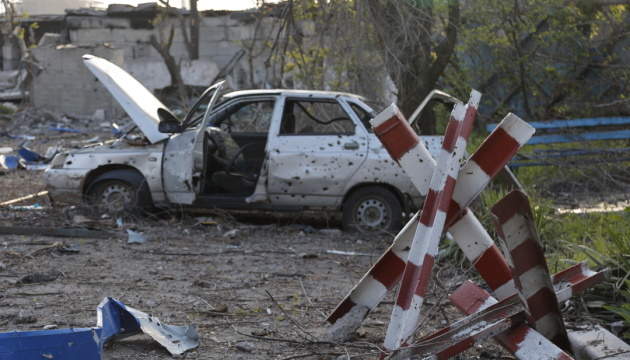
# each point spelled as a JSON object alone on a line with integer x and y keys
{"x": 138, "y": 102}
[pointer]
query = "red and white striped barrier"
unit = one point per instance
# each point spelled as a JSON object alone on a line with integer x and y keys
{"x": 513, "y": 219}
{"x": 501, "y": 319}
{"x": 466, "y": 332}
{"x": 406, "y": 148}
{"x": 424, "y": 247}
{"x": 576, "y": 279}
{"x": 521, "y": 340}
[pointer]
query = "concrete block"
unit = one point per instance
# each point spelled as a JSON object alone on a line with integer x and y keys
{"x": 152, "y": 74}
{"x": 595, "y": 342}
{"x": 141, "y": 50}
{"x": 96, "y": 22}
{"x": 110, "y": 22}
{"x": 212, "y": 34}
{"x": 10, "y": 52}
{"x": 199, "y": 72}
{"x": 259, "y": 31}
{"x": 91, "y": 36}
{"x": 216, "y": 21}
{"x": 135, "y": 35}
{"x": 67, "y": 86}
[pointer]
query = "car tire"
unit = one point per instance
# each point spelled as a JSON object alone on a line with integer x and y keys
{"x": 121, "y": 191}
{"x": 372, "y": 208}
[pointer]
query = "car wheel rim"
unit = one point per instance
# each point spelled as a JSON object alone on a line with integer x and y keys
{"x": 117, "y": 197}
{"x": 372, "y": 213}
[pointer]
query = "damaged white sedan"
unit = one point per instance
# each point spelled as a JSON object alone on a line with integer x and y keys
{"x": 246, "y": 150}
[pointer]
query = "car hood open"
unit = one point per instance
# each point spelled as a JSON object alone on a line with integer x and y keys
{"x": 139, "y": 103}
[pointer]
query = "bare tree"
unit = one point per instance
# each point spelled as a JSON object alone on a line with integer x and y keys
{"x": 356, "y": 45}
{"x": 162, "y": 43}
{"x": 416, "y": 44}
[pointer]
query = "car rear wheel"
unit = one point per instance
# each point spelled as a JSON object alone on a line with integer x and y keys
{"x": 372, "y": 208}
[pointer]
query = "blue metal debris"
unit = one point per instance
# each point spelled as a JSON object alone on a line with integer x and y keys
{"x": 9, "y": 162}
{"x": 114, "y": 321}
{"x": 30, "y": 156}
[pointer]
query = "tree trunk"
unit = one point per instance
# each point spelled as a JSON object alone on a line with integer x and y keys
{"x": 195, "y": 19}
{"x": 414, "y": 62}
{"x": 171, "y": 65}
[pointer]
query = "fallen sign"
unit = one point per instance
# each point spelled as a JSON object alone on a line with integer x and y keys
{"x": 114, "y": 321}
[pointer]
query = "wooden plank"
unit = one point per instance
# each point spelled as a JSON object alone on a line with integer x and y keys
{"x": 63, "y": 232}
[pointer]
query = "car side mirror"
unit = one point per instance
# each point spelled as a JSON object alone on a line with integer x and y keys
{"x": 169, "y": 126}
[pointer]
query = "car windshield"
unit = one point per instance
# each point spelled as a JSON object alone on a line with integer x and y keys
{"x": 195, "y": 115}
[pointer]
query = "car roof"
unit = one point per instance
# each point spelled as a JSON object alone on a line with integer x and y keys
{"x": 291, "y": 92}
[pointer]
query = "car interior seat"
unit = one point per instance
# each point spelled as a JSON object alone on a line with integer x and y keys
{"x": 232, "y": 176}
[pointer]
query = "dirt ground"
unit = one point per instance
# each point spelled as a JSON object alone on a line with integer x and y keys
{"x": 253, "y": 290}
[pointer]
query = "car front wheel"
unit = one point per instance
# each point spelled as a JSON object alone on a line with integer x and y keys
{"x": 372, "y": 208}
{"x": 120, "y": 192}
{"x": 115, "y": 196}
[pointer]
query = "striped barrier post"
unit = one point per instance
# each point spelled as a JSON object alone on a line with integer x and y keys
{"x": 521, "y": 340}
{"x": 488, "y": 317}
{"x": 465, "y": 333}
{"x": 575, "y": 280}
{"x": 424, "y": 247}
{"x": 432, "y": 218}
{"x": 405, "y": 147}
{"x": 522, "y": 248}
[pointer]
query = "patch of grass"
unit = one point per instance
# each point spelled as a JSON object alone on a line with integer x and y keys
{"x": 6, "y": 110}
{"x": 601, "y": 238}
{"x": 542, "y": 210}
{"x": 624, "y": 309}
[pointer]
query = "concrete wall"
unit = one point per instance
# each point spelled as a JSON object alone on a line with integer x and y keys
{"x": 221, "y": 38}
{"x": 65, "y": 85}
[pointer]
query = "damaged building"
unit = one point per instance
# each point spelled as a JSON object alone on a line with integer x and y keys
{"x": 231, "y": 46}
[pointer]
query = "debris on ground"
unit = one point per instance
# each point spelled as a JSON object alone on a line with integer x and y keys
{"x": 114, "y": 321}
